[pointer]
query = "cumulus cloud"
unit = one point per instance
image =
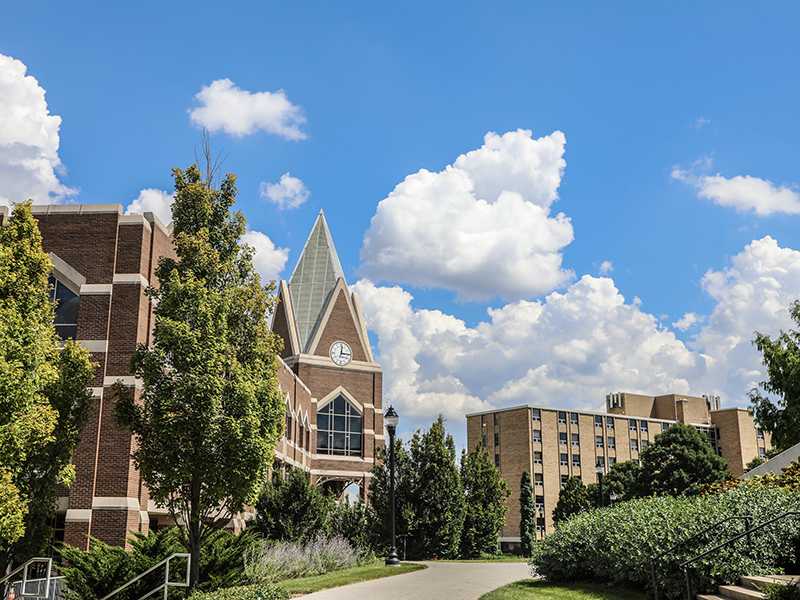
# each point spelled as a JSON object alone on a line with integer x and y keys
{"x": 688, "y": 321}
{"x": 289, "y": 192}
{"x": 268, "y": 259}
{"x": 226, "y": 107}
{"x": 743, "y": 193}
{"x": 155, "y": 201}
{"x": 606, "y": 267}
{"x": 481, "y": 227}
{"x": 29, "y": 162}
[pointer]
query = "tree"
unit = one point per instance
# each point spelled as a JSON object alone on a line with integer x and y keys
{"x": 572, "y": 499}
{"x": 378, "y": 494}
{"x": 486, "y": 509}
{"x": 623, "y": 479}
{"x": 210, "y": 413}
{"x": 295, "y": 510}
{"x": 353, "y": 521}
{"x": 527, "y": 513}
{"x": 756, "y": 462}
{"x": 782, "y": 359}
{"x": 679, "y": 462}
{"x": 439, "y": 496}
{"x": 44, "y": 401}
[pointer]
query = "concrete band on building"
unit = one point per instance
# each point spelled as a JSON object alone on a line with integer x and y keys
{"x": 103, "y": 262}
{"x": 555, "y": 444}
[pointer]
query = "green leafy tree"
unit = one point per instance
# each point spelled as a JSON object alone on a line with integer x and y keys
{"x": 527, "y": 513}
{"x": 294, "y": 510}
{"x": 210, "y": 414}
{"x": 757, "y": 461}
{"x": 353, "y": 521}
{"x": 44, "y": 401}
{"x": 572, "y": 499}
{"x": 378, "y": 494}
{"x": 486, "y": 509}
{"x": 438, "y": 494}
{"x": 680, "y": 462}
{"x": 623, "y": 480}
{"x": 781, "y": 356}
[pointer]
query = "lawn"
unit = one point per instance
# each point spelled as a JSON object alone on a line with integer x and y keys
{"x": 527, "y": 589}
{"x": 307, "y": 585}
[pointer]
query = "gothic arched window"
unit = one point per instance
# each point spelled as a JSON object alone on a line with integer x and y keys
{"x": 339, "y": 428}
{"x": 66, "y": 319}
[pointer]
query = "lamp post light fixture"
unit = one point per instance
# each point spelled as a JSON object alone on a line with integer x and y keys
{"x": 600, "y": 469}
{"x": 391, "y": 419}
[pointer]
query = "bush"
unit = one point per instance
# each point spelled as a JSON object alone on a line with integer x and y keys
{"x": 247, "y": 592}
{"x": 613, "y": 545}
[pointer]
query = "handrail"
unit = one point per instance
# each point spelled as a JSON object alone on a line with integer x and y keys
{"x": 653, "y": 560}
{"x": 24, "y": 569}
{"x": 167, "y": 583}
{"x": 685, "y": 565}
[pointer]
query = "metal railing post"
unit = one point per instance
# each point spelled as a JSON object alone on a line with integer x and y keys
{"x": 689, "y": 591}
{"x": 655, "y": 581}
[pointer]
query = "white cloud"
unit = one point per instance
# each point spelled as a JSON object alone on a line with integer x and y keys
{"x": 688, "y": 321}
{"x": 268, "y": 260}
{"x": 29, "y": 162}
{"x": 481, "y": 227}
{"x": 289, "y": 192}
{"x": 606, "y": 267}
{"x": 742, "y": 193}
{"x": 699, "y": 122}
{"x": 237, "y": 112}
{"x": 155, "y": 201}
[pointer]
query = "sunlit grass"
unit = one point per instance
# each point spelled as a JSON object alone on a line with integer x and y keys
{"x": 528, "y": 589}
{"x": 308, "y": 585}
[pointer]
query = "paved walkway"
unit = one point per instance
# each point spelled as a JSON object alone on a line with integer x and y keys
{"x": 440, "y": 581}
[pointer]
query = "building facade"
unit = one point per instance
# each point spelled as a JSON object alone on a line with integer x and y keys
{"x": 103, "y": 262}
{"x": 554, "y": 444}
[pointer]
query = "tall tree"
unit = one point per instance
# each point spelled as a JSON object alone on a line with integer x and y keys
{"x": 572, "y": 499}
{"x": 623, "y": 479}
{"x": 294, "y": 510}
{"x": 527, "y": 514}
{"x": 210, "y": 413}
{"x": 439, "y": 496}
{"x": 781, "y": 356}
{"x": 679, "y": 462}
{"x": 44, "y": 402}
{"x": 378, "y": 494}
{"x": 486, "y": 509}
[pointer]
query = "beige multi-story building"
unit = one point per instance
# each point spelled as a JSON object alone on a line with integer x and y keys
{"x": 554, "y": 444}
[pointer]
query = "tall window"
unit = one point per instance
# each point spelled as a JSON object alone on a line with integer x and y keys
{"x": 339, "y": 428}
{"x": 66, "y": 320}
{"x": 562, "y": 417}
{"x": 536, "y": 414}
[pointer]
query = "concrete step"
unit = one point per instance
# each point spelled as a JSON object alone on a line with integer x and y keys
{"x": 709, "y": 597}
{"x": 736, "y": 592}
{"x": 753, "y": 581}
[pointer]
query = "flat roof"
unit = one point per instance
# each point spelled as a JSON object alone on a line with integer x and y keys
{"x": 583, "y": 412}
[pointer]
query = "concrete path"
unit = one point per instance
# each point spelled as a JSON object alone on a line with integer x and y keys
{"x": 440, "y": 581}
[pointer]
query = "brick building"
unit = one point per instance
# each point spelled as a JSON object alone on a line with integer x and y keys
{"x": 554, "y": 444}
{"x": 103, "y": 262}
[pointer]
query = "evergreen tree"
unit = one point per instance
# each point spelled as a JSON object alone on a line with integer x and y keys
{"x": 527, "y": 513}
{"x": 210, "y": 413}
{"x": 486, "y": 509}
{"x": 378, "y": 494}
{"x": 572, "y": 499}
{"x": 294, "y": 510}
{"x": 679, "y": 462}
{"x": 438, "y": 494}
{"x": 353, "y": 521}
{"x": 44, "y": 401}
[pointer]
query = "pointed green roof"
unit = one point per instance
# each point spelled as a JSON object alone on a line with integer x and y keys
{"x": 313, "y": 280}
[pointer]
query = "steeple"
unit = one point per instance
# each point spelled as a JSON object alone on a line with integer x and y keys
{"x": 313, "y": 280}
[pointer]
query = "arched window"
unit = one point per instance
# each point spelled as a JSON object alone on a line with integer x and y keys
{"x": 66, "y": 320}
{"x": 339, "y": 428}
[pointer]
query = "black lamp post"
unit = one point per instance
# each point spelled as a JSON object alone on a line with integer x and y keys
{"x": 391, "y": 419}
{"x": 600, "y": 469}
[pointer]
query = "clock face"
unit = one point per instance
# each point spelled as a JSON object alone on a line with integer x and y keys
{"x": 341, "y": 353}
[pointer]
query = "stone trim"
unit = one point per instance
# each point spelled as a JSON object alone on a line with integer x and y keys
{"x": 66, "y": 274}
{"x": 358, "y": 366}
{"x": 76, "y": 209}
{"x": 135, "y": 219}
{"x": 97, "y": 346}
{"x": 332, "y": 473}
{"x": 127, "y": 381}
{"x": 62, "y": 503}
{"x": 154, "y": 509}
{"x": 78, "y": 515}
{"x": 338, "y": 457}
{"x": 96, "y": 289}
{"x": 127, "y": 278}
{"x": 97, "y": 392}
{"x": 112, "y": 503}
{"x": 340, "y": 390}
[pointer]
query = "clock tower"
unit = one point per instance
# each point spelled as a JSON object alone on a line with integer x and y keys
{"x": 327, "y": 347}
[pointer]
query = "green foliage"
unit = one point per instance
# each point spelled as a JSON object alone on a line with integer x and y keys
{"x": 624, "y": 480}
{"x": 246, "y": 592}
{"x": 210, "y": 412}
{"x": 353, "y": 521}
{"x": 757, "y": 461}
{"x": 614, "y": 545}
{"x": 295, "y": 510}
{"x": 789, "y": 478}
{"x": 780, "y": 591}
{"x": 527, "y": 511}
{"x": 680, "y": 462}
{"x": 439, "y": 496}
{"x": 485, "y": 512}
{"x": 572, "y": 499}
{"x": 781, "y": 356}
{"x": 44, "y": 401}
{"x": 378, "y": 494}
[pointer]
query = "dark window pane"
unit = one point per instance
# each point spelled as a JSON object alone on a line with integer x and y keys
{"x": 355, "y": 443}
{"x": 338, "y": 440}
{"x": 66, "y": 332}
{"x": 322, "y": 441}
{"x": 339, "y": 423}
{"x": 67, "y": 307}
{"x": 339, "y": 405}
{"x": 355, "y": 424}
{"x": 322, "y": 422}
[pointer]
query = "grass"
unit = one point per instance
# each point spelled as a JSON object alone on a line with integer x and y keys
{"x": 308, "y": 585}
{"x": 527, "y": 589}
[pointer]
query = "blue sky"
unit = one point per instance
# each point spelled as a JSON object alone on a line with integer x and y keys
{"x": 665, "y": 136}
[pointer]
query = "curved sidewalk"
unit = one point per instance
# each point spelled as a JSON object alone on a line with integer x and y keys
{"x": 440, "y": 581}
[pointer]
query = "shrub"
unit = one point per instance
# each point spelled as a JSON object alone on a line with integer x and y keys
{"x": 613, "y": 545}
{"x": 779, "y": 591}
{"x": 247, "y": 592}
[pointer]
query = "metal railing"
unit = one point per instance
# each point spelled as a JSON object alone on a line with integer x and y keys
{"x": 167, "y": 583}
{"x": 25, "y": 580}
{"x": 653, "y": 560}
{"x": 686, "y": 565}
